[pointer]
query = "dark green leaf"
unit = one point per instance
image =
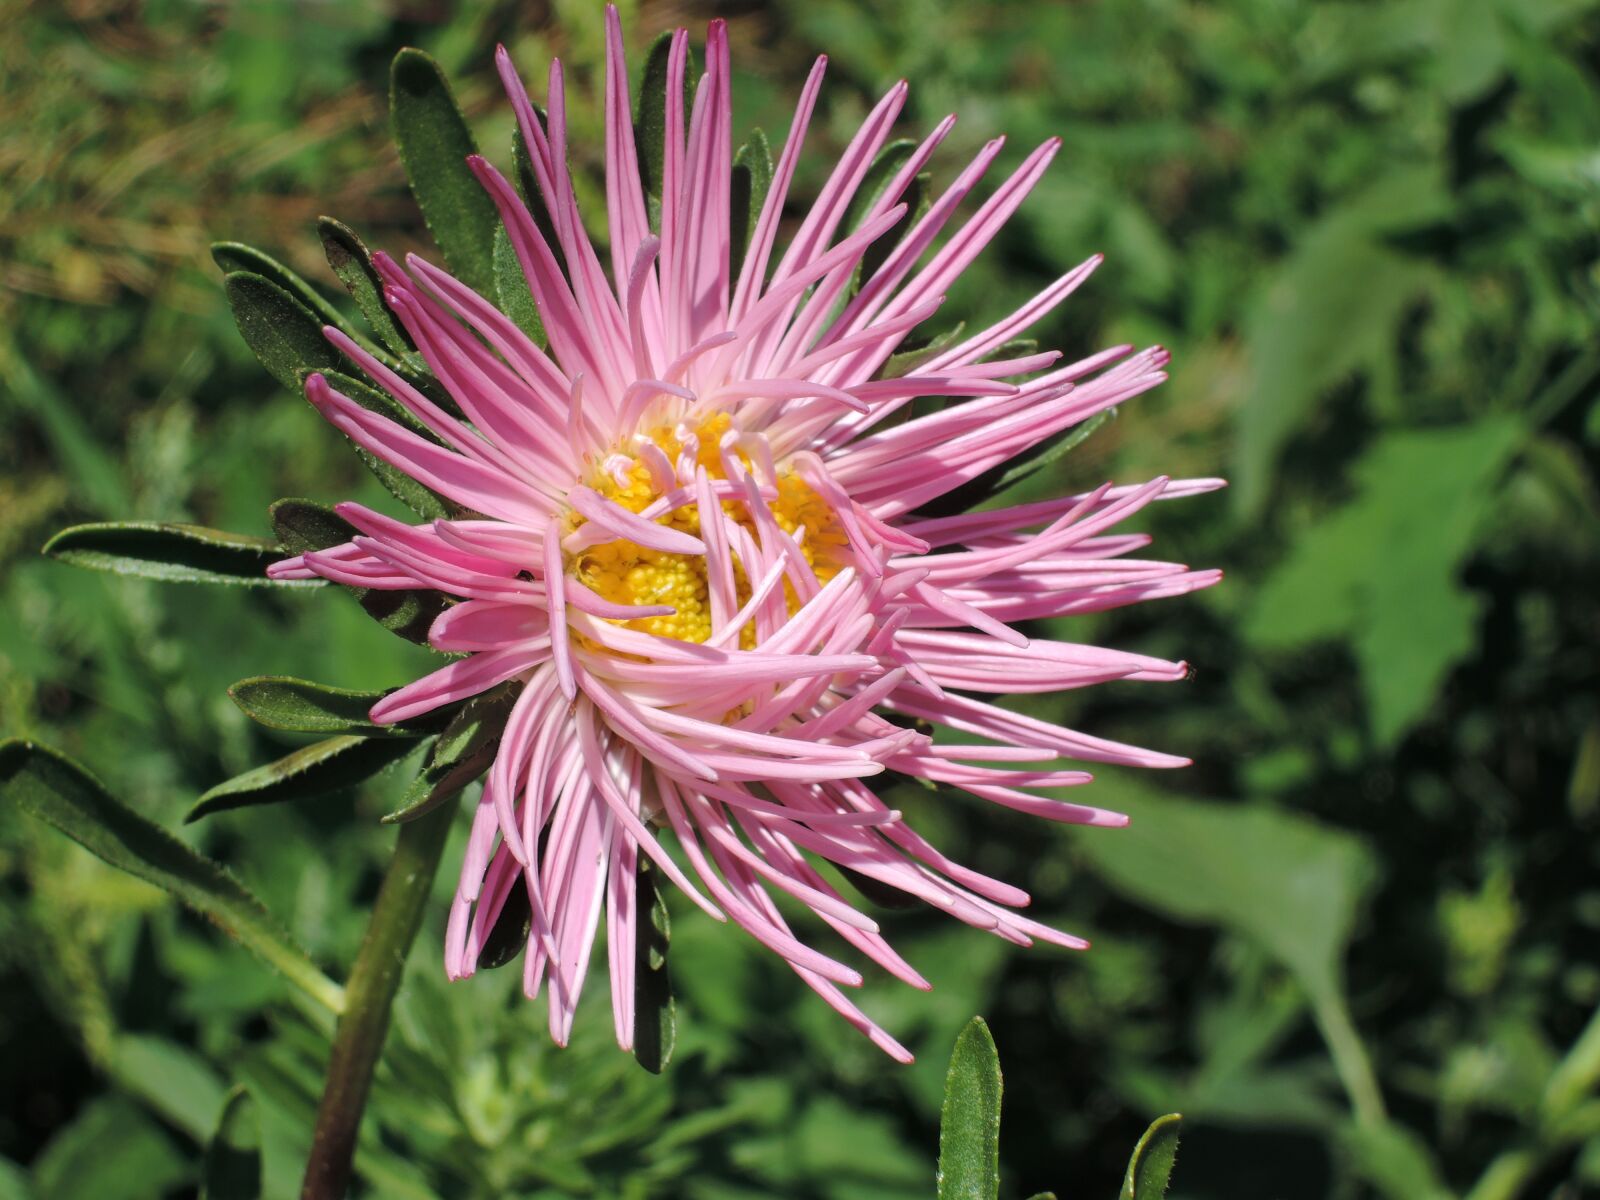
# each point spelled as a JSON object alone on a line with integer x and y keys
{"x": 306, "y": 525}
{"x": 509, "y": 936}
{"x": 301, "y": 706}
{"x": 752, "y": 176}
{"x": 56, "y": 790}
{"x": 1151, "y": 1165}
{"x": 655, "y": 1017}
{"x": 461, "y": 754}
{"x": 909, "y": 359}
{"x": 284, "y": 334}
{"x": 352, "y": 263}
{"x": 327, "y": 766}
{"x": 420, "y": 499}
{"x": 996, "y": 480}
{"x": 874, "y": 184}
{"x": 234, "y": 257}
{"x": 232, "y": 1168}
{"x": 171, "y": 552}
{"x": 511, "y": 288}
{"x": 434, "y": 142}
{"x": 650, "y": 127}
{"x": 969, "y": 1123}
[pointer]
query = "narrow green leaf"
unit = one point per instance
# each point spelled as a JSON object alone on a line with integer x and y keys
{"x": 306, "y": 525}
{"x": 234, "y": 257}
{"x": 1151, "y": 1165}
{"x": 874, "y": 184}
{"x": 909, "y": 359}
{"x": 171, "y": 552}
{"x": 655, "y": 1014}
{"x": 992, "y": 482}
{"x": 300, "y": 706}
{"x": 969, "y": 1124}
{"x": 282, "y": 332}
{"x": 461, "y": 754}
{"x": 650, "y": 126}
{"x": 327, "y": 766}
{"x": 419, "y": 498}
{"x": 511, "y": 288}
{"x": 528, "y": 186}
{"x": 352, "y": 263}
{"x": 53, "y": 788}
{"x": 434, "y": 142}
{"x": 752, "y": 177}
{"x": 232, "y": 1167}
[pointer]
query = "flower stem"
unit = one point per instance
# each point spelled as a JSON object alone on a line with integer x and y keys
{"x": 396, "y": 915}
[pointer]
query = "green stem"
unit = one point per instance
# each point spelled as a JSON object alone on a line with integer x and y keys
{"x": 396, "y": 916}
{"x": 1349, "y": 1058}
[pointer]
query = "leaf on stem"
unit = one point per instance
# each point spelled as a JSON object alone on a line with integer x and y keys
{"x": 969, "y": 1123}
{"x": 327, "y": 766}
{"x": 171, "y": 552}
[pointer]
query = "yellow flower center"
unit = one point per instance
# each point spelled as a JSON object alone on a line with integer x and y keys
{"x": 627, "y": 573}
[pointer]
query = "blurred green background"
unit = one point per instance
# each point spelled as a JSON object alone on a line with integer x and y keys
{"x": 1355, "y": 944}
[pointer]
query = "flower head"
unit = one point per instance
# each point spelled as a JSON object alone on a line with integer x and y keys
{"x": 690, "y": 532}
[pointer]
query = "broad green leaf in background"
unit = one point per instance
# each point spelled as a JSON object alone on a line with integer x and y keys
{"x": 232, "y": 1166}
{"x": 327, "y": 766}
{"x": 1382, "y": 570}
{"x": 1394, "y": 1160}
{"x": 109, "y": 1151}
{"x": 171, "y": 552}
{"x": 279, "y": 329}
{"x": 1286, "y": 882}
{"x": 969, "y": 1125}
{"x": 1150, "y": 1168}
{"x": 1330, "y": 310}
{"x": 171, "y": 1079}
{"x": 56, "y": 790}
{"x": 434, "y": 143}
{"x": 655, "y": 1016}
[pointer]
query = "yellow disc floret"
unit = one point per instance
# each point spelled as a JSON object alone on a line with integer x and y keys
{"x": 627, "y": 573}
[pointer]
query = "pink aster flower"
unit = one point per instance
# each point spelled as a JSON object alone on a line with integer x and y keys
{"x": 690, "y": 534}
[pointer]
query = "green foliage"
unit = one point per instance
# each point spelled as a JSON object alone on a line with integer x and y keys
{"x": 1367, "y": 234}
{"x": 171, "y": 552}
{"x": 460, "y": 754}
{"x": 655, "y": 1014}
{"x": 232, "y": 1166}
{"x": 434, "y": 144}
{"x": 969, "y": 1126}
{"x": 1150, "y": 1168}
{"x": 331, "y": 765}
{"x": 300, "y": 706}
{"x": 55, "y": 790}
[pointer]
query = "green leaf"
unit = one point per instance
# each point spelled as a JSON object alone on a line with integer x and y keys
{"x": 352, "y": 263}
{"x": 462, "y": 753}
{"x": 1330, "y": 311}
{"x": 655, "y": 1014}
{"x": 969, "y": 1123}
{"x": 650, "y": 126}
{"x": 752, "y": 177}
{"x": 282, "y": 332}
{"x": 508, "y": 938}
{"x": 300, "y": 706}
{"x": 1393, "y": 1160}
{"x": 234, "y": 257}
{"x": 171, "y": 552}
{"x": 1290, "y": 884}
{"x": 110, "y": 1150}
{"x": 1151, "y": 1165}
{"x": 997, "y": 479}
{"x": 171, "y": 1079}
{"x": 306, "y": 525}
{"x": 908, "y": 360}
{"x": 434, "y": 142}
{"x": 51, "y": 787}
{"x": 232, "y": 1167}
{"x": 511, "y": 288}
{"x": 420, "y": 499}
{"x": 1420, "y": 500}
{"x": 327, "y": 766}
{"x": 873, "y": 185}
